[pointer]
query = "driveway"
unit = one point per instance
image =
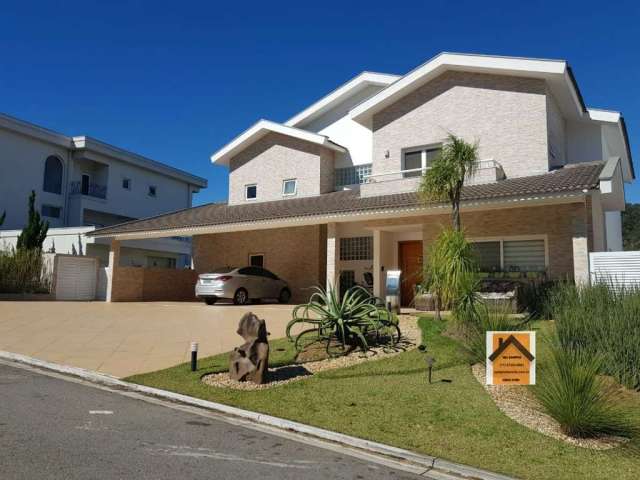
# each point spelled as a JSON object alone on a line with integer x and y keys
{"x": 126, "y": 338}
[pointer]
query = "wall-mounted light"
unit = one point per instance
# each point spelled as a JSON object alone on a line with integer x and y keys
{"x": 386, "y": 154}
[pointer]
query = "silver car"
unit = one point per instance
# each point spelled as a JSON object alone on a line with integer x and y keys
{"x": 241, "y": 285}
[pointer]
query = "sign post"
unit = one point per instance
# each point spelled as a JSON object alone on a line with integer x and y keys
{"x": 511, "y": 358}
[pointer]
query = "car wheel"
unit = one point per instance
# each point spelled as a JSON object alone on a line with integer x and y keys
{"x": 241, "y": 297}
{"x": 210, "y": 301}
{"x": 285, "y": 295}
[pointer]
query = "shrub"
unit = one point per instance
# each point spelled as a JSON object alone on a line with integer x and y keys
{"x": 350, "y": 320}
{"x": 584, "y": 404}
{"x": 23, "y": 271}
{"x": 600, "y": 320}
{"x": 534, "y": 297}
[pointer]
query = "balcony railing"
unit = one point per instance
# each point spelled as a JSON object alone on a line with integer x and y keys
{"x": 89, "y": 189}
{"x": 417, "y": 172}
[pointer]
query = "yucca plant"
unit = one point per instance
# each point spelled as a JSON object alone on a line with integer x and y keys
{"x": 585, "y": 404}
{"x": 348, "y": 320}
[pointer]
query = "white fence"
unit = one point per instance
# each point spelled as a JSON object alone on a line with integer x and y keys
{"x": 75, "y": 277}
{"x": 617, "y": 268}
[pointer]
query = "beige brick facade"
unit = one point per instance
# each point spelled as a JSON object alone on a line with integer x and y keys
{"x": 298, "y": 254}
{"x": 135, "y": 284}
{"x": 278, "y": 157}
{"x": 507, "y": 115}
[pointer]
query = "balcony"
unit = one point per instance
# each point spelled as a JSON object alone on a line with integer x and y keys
{"x": 405, "y": 181}
{"x": 88, "y": 189}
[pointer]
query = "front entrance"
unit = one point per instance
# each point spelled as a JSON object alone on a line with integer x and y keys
{"x": 410, "y": 263}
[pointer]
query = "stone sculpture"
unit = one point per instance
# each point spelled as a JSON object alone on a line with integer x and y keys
{"x": 250, "y": 361}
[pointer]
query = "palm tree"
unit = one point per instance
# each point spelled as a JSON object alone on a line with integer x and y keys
{"x": 445, "y": 178}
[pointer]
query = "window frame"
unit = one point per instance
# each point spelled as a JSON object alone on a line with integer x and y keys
{"x": 423, "y": 149}
{"x": 129, "y": 182}
{"x": 246, "y": 192}
{"x": 359, "y": 244}
{"x": 44, "y": 176}
{"x": 295, "y": 187}
{"x": 252, "y": 255}
{"x": 515, "y": 238}
{"x": 47, "y": 205}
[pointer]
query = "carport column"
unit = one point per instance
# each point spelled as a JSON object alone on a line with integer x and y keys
{"x": 580, "y": 252}
{"x": 333, "y": 254}
{"x": 378, "y": 277}
{"x": 114, "y": 261}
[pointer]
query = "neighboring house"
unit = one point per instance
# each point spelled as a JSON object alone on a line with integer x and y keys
{"x": 330, "y": 195}
{"x": 82, "y": 182}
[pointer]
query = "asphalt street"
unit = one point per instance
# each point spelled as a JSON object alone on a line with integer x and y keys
{"x": 58, "y": 429}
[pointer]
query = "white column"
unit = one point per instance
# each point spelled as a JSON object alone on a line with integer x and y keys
{"x": 580, "y": 253}
{"x": 333, "y": 254}
{"x": 378, "y": 278}
{"x": 114, "y": 260}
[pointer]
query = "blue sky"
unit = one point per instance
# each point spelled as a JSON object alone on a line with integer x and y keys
{"x": 175, "y": 81}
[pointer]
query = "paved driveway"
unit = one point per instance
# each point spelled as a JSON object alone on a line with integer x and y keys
{"x": 126, "y": 338}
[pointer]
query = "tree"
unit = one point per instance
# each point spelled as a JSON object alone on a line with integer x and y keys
{"x": 444, "y": 180}
{"x": 33, "y": 234}
{"x": 631, "y": 226}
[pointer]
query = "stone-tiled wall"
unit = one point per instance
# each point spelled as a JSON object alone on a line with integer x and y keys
{"x": 275, "y": 158}
{"x": 507, "y": 115}
{"x": 295, "y": 254}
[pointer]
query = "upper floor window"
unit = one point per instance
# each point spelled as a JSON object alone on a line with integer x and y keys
{"x": 50, "y": 211}
{"x": 126, "y": 183}
{"x": 251, "y": 192}
{"x": 152, "y": 191}
{"x": 289, "y": 187}
{"x": 355, "y": 175}
{"x": 419, "y": 159}
{"x": 52, "y": 175}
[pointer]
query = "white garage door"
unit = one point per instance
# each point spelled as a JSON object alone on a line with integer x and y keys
{"x": 76, "y": 278}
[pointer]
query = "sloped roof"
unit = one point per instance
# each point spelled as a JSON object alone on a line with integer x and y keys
{"x": 569, "y": 179}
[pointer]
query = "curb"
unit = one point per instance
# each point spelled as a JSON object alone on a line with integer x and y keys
{"x": 427, "y": 462}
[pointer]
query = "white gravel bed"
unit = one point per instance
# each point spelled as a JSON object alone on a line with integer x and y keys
{"x": 520, "y": 404}
{"x": 411, "y": 337}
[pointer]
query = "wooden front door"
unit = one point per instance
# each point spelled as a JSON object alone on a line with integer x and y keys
{"x": 410, "y": 263}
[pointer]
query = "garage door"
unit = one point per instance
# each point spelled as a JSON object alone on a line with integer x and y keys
{"x": 76, "y": 278}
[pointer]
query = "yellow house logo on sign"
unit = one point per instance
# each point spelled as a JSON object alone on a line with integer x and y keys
{"x": 511, "y": 358}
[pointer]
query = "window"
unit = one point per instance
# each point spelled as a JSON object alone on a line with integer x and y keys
{"x": 356, "y": 248}
{"x": 50, "y": 211}
{"x": 126, "y": 183}
{"x": 52, "y": 175}
{"x": 511, "y": 255}
{"x": 523, "y": 255}
{"x": 488, "y": 256}
{"x": 251, "y": 192}
{"x": 253, "y": 271}
{"x": 419, "y": 158}
{"x": 85, "y": 184}
{"x": 152, "y": 191}
{"x": 256, "y": 259}
{"x": 161, "y": 262}
{"x": 356, "y": 175}
{"x": 289, "y": 187}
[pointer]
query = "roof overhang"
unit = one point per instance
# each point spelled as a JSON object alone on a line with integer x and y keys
{"x": 262, "y": 128}
{"x": 353, "y": 86}
{"x": 85, "y": 146}
{"x": 557, "y": 73}
{"x": 354, "y": 216}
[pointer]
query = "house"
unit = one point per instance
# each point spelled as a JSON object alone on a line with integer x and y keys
{"x": 82, "y": 184}
{"x": 330, "y": 195}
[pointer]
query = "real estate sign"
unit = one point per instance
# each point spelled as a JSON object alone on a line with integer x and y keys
{"x": 511, "y": 358}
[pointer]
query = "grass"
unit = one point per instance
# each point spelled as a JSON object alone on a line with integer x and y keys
{"x": 390, "y": 401}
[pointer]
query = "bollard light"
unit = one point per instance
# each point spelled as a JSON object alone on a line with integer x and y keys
{"x": 430, "y": 361}
{"x": 194, "y": 356}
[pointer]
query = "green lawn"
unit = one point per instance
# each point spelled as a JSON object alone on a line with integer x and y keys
{"x": 390, "y": 401}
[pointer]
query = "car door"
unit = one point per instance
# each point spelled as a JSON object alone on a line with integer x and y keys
{"x": 266, "y": 287}
{"x": 272, "y": 284}
{"x": 251, "y": 282}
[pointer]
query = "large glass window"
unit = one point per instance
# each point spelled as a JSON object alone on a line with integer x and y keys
{"x": 52, "y": 175}
{"x": 355, "y": 175}
{"x": 524, "y": 255}
{"x": 488, "y": 256}
{"x": 419, "y": 158}
{"x": 356, "y": 248}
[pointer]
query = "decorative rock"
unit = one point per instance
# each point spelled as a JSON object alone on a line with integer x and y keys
{"x": 250, "y": 361}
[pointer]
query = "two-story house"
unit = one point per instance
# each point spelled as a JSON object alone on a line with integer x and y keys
{"x": 330, "y": 195}
{"x": 82, "y": 184}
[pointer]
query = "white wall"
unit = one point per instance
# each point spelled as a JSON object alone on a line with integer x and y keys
{"x": 613, "y": 222}
{"x": 556, "y": 131}
{"x": 338, "y": 126}
{"x": 22, "y": 162}
{"x": 584, "y": 142}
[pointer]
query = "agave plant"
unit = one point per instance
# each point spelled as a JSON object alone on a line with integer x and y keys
{"x": 348, "y": 320}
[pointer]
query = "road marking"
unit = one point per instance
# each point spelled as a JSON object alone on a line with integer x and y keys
{"x": 100, "y": 412}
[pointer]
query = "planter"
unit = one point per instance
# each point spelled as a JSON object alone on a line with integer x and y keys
{"x": 425, "y": 302}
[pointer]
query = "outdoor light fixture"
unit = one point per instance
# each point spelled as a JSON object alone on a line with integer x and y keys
{"x": 430, "y": 362}
{"x": 194, "y": 356}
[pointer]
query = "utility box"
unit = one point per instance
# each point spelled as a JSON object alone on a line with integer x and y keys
{"x": 392, "y": 289}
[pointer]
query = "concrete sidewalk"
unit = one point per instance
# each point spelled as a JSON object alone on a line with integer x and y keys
{"x": 122, "y": 339}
